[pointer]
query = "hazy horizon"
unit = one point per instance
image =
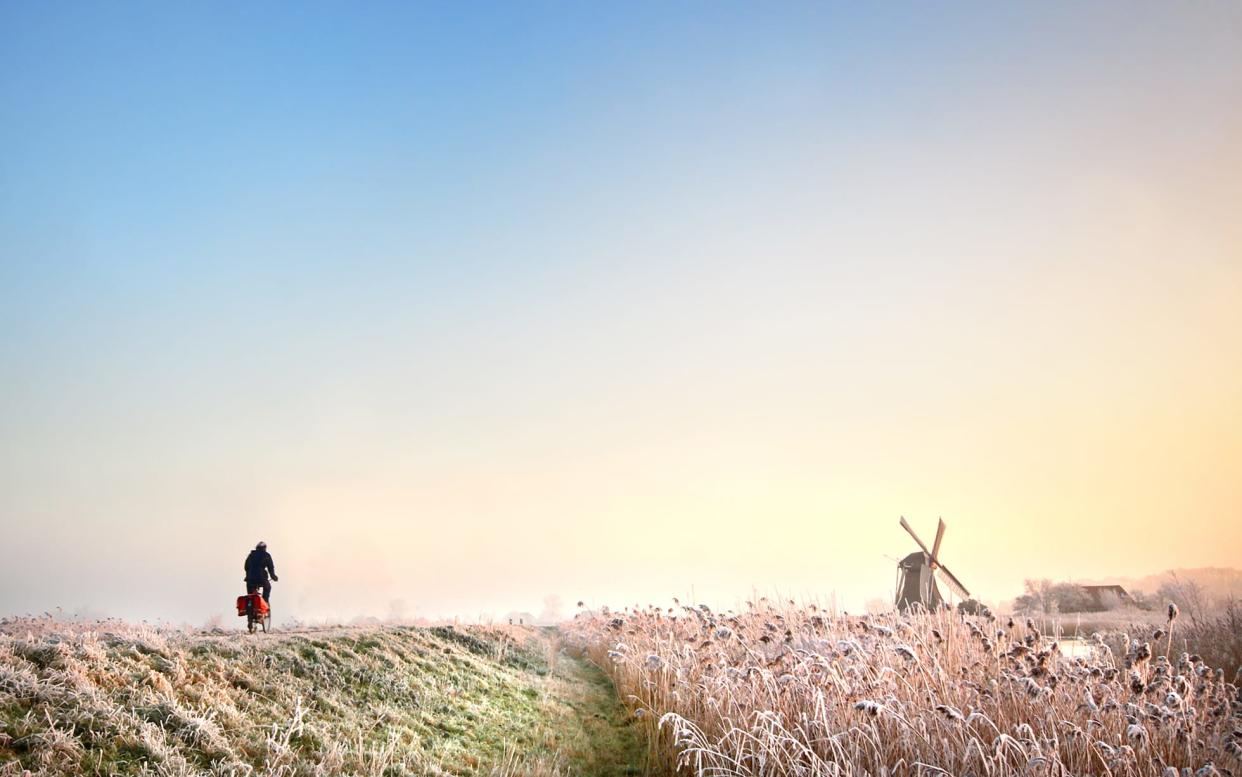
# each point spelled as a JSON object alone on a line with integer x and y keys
{"x": 463, "y": 309}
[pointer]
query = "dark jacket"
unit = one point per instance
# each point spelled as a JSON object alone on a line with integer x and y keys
{"x": 258, "y": 566}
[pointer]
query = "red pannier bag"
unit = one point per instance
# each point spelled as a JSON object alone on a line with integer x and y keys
{"x": 252, "y": 600}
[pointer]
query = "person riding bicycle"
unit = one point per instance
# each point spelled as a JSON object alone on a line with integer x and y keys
{"x": 260, "y": 572}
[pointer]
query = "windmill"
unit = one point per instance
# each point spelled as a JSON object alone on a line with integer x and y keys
{"x": 916, "y": 574}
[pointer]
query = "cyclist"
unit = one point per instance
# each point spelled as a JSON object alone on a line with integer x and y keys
{"x": 260, "y": 572}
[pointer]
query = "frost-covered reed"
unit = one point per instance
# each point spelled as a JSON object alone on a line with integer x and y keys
{"x": 780, "y": 690}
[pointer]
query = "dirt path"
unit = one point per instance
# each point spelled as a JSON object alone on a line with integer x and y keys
{"x": 617, "y": 744}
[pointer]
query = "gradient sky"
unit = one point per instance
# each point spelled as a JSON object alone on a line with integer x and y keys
{"x": 462, "y": 305}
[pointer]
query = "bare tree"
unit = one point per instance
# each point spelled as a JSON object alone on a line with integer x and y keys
{"x": 1188, "y": 595}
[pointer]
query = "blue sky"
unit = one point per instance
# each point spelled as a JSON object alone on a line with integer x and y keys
{"x": 511, "y": 273}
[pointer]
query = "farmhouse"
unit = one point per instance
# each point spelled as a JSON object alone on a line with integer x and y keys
{"x": 1106, "y": 597}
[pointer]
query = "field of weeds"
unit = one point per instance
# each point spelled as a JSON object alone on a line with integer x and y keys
{"x": 786, "y": 690}
{"x": 1215, "y": 633}
{"x": 111, "y": 699}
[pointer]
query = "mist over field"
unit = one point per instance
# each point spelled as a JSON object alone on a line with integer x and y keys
{"x": 458, "y": 313}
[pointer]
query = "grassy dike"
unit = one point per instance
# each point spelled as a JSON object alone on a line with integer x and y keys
{"x": 370, "y": 701}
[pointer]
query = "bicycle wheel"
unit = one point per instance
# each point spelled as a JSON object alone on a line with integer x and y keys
{"x": 267, "y": 622}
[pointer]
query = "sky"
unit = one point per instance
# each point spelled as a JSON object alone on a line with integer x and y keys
{"x": 462, "y": 306}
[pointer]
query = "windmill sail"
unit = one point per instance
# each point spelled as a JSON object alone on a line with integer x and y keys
{"x": 906, "y": 526}
{"x": 953, "y": 583}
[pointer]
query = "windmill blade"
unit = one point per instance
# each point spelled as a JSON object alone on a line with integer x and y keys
{"x": 936, "y": 545}
{"x": 955, "y": 584}
{"x": 906, "y": 526}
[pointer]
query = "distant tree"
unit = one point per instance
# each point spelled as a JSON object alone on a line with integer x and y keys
{"x": 552, "y": 610}
{"x": 1217, "y": 636}
{"x": 1045, "y": 596}
{"x": 1036, "y": 596}
{"x": 1071, "y": 597}
{"x": 397, "y": 610}
{"x": 1188, "y": 595}
{"x": 973, "y": 607}
{"x": 878, "y": 606}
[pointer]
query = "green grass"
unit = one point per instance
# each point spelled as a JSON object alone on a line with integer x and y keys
{"x": 616, "y": 745}
{"x": 377, "y": 701}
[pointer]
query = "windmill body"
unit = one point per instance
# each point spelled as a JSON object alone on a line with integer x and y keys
{"x": 917, "y": 575}
{"x": 916, "y": 583}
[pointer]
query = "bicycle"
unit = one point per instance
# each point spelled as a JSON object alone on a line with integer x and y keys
{"x": 257, "y": 612}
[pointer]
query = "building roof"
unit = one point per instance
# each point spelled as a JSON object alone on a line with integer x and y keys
{"x": 1101, "y": 593}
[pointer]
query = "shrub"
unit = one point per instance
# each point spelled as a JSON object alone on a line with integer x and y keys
{"x": 1217, "y": 638}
